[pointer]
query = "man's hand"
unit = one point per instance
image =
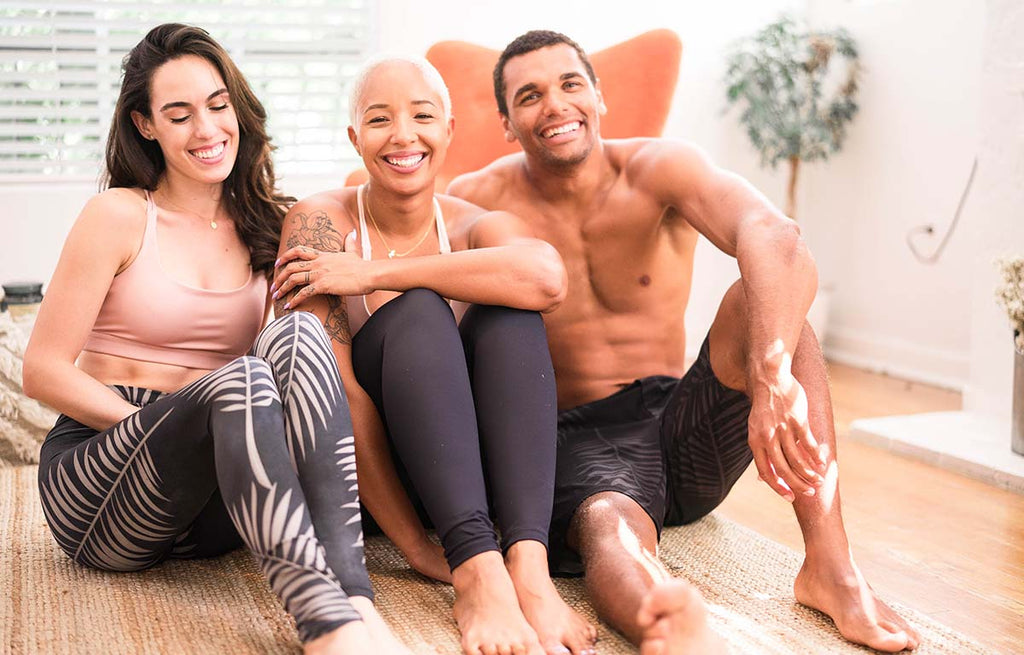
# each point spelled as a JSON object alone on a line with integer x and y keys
{"x": 788, "y": 457}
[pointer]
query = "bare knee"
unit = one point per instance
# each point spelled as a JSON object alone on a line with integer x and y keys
{"x": 727, "y": 339}
{"x": 729, "y": 342}
{"x": 611, "y": 521}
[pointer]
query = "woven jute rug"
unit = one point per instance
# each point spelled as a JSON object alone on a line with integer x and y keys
{"x": 222, "y": 605}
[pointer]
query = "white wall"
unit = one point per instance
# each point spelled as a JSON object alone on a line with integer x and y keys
{"x": 999, "y": 212}
{"x": 905, "y": 163}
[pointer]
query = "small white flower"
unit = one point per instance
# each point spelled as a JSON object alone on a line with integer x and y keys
{"x": 1010, "y": 294}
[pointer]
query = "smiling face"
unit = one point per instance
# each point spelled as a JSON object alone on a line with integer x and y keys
{"x": 553, "y": 107}
{"x": 192, "y": 119}
{"x": 401, "y": 127}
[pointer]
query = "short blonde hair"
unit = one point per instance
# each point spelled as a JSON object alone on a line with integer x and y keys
{"x": 430, "y": 74}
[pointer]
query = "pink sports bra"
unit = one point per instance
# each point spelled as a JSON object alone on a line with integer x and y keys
{"x": 358, "y": 311}
{"x": 152, "y": 318}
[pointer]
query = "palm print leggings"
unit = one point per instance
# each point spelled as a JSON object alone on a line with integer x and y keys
{"x": 260, "y": 451}
{"x": 460, "y": 402}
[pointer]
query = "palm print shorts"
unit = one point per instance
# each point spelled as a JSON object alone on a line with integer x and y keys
{"x": 674, "y": 446}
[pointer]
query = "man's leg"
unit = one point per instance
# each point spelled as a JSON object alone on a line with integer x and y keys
{"x": 829, "y": 579}
{"x": 618, "y": 543}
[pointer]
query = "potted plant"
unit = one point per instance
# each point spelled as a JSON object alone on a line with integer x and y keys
{"x": 797, "y": 89}
{"x": 1010, "y": 294}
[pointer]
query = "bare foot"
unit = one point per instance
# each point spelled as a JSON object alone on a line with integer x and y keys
{"x": 674, "y": 620}
{"x": 560, "y": 629}
{"x": 384, "y": 641}
{"x": 487, "y": 611}
{"x": 349, "y": 639}
{"x": 852, "y": 604}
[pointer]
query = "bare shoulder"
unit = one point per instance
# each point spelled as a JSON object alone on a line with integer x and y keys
{"x": 111, "y": 225}
{"x": 661, "y": 165}
{"x": 470, "y": 226}
{"x": 335, "y": 203}
{"x": 115, "y": 209}
{"x": 485, "y": 187}
{"x": 320, "y": 221}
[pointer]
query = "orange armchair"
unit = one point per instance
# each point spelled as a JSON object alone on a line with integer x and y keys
{"x": 638, "y": 78}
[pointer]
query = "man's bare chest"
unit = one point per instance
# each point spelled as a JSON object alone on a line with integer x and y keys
{"x": 616, "y": 260}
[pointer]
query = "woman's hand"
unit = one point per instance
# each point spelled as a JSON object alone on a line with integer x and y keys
{"x": 307, "y": 272}
{"x": 428, "y": 559}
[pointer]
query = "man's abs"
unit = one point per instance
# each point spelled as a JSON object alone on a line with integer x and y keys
{"x": 595, "y": 357}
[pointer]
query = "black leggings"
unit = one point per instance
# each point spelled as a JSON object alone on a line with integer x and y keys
{"x": 459, "y": 401}
{"x": 270, "y": 433}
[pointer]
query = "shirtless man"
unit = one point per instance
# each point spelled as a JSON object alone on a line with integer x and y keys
{"x": 638, "y": 448}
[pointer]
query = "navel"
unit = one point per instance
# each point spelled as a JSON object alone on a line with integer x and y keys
{"x": 645, "y": 280}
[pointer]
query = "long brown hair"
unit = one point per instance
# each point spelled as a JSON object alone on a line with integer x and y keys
{"x": 133, "y": 161}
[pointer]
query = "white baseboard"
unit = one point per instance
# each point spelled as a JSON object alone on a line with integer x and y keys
{"x": 897, "y": 357}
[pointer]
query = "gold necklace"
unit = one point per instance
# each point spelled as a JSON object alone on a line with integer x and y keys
{"x": 391, "y": 251}
{"x": 213, "y": 221}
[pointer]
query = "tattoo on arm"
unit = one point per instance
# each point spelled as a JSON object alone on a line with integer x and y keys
{"x": 336, "y": 323}
{"x": 316, "y": 231}
{"x": 279, "y": 304}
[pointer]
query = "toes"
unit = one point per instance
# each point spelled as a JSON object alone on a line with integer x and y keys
{"x": 554, "y": 647}
{"x": 652, "y": 647}
{"x": 534, "y": 649}
{"x": 892, "y": 642}
{"x": 896, "y": 623}
{"x": 900, "y": 627}
{"x": 577, "y": 643}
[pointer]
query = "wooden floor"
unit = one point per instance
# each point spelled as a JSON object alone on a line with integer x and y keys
{"x": 948, "y": 546}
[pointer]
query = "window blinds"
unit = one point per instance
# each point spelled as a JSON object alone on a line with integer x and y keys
{"x": 60, "y": 66}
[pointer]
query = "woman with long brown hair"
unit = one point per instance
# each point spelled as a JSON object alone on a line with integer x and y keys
{"x": 186, "y": 430}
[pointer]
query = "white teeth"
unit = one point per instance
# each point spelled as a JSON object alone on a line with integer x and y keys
{"x": 568, "y": 127}
{"x": 210, "y": 153}
{"x": 405, "y": 162}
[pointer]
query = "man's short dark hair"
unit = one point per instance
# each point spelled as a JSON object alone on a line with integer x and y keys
{"x": 532, "y": 40}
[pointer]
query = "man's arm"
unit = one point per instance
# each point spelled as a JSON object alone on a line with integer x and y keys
{"x": 379, "y": 487}
{"x": 779, "y": 280}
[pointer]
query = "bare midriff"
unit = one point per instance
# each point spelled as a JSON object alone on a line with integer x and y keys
{"x": 111, "y": 370}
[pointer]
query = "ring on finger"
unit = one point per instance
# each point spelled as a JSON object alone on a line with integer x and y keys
{"x": 307, "y": 277}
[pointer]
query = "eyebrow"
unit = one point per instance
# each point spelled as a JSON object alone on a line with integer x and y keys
{"x": 172, "y": 105}
{"x": 531, "y": 86}
{"x": 384, "y": 105}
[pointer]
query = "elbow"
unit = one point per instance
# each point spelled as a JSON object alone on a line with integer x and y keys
{"x": 785, "y": 237}
{"x": 794, "y": 251}
{"x": 31, "y": 384}
{"x": 550, "y": 278}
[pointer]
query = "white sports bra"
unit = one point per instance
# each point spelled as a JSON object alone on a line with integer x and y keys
{"x": 358, "y": 311}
